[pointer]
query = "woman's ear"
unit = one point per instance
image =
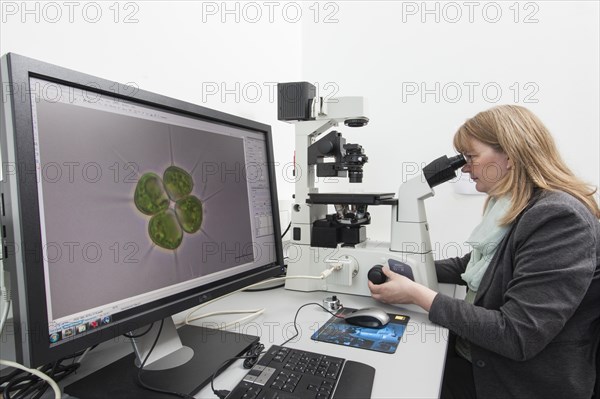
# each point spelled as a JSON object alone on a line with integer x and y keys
{"x": 509, "y": 164}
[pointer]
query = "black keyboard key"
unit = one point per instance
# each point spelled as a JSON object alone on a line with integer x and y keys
{"x": 288, "y": 388}
{"x": 239, "y": 390}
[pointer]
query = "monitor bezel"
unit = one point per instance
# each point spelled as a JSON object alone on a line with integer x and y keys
{"x": 20, "y": 196}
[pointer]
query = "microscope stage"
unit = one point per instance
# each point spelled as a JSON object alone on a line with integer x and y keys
{"x": 351, "y": 198}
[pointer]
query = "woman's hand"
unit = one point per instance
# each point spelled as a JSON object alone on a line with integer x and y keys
{"x": 401, "y": 290}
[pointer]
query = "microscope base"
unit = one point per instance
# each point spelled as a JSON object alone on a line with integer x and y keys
{"x": 356, "y": 263}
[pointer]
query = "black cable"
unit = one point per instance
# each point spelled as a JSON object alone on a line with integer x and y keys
{"x": 57, "y": 373}
{"x": 139, "y": 374}
{"x": 286, "y": 230}
{"x": 223, "y": 393}
{"x": 296, "y": 317}
{"x": 252, "y": 355}
{"x": 38, "y": 385}
{"x": 131, "y": 336}
{"x": 9, "y": 376}
{"x": 62, "y": 372}
{"x": 24, "y": 383}
{"x": 15, "y": 385}
{"x": 29, "y": 384}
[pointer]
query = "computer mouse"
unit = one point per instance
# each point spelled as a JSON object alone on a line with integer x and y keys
{"x": 368, "y": 317}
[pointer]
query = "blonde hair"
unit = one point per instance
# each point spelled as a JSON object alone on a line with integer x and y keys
{"x": 518, "y": 133}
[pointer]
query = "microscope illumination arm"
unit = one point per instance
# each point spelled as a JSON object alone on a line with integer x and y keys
{"x": 341, "y": 109}
{"x": 327, "y": 113}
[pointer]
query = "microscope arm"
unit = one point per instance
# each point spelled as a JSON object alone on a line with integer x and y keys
{"x": 410, "y": 232}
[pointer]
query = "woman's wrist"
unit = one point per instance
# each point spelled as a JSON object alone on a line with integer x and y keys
{"x": 423, "y": 296}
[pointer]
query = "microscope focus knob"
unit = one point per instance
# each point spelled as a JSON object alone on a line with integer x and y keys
{"x": 376, "y": 275}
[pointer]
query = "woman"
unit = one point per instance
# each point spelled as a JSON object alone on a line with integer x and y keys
{"x": 530, "y": 323}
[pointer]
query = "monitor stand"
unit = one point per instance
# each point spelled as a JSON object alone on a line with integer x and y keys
{"x": 211, "y": 348}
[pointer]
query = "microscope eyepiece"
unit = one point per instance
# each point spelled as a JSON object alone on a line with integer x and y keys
{"x": 457, "y": 161}
{"x": 443, "y": 169}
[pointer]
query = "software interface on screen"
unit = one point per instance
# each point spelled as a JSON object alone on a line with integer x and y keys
{"x": 137, "y": 204}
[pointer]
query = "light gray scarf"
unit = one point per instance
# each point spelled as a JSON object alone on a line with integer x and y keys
{"x": 485, "y": 239}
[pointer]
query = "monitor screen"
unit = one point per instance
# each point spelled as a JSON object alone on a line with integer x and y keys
{"x": 122, "y": 207}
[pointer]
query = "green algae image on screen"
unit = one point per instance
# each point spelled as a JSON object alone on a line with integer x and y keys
{"x": 164, "y": 230}
{"x": 153, "y": 197}
{"x": 150, "y": 197}
{"x": 178, "y": 183}
{"x": 189, "y": 213}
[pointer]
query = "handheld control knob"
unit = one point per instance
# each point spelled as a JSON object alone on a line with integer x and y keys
{"x": 376, "y": 275}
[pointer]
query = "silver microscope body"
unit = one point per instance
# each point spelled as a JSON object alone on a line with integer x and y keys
{"x": 320, "y": 241}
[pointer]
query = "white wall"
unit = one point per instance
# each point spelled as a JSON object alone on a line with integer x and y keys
{"x": 388, "y": 50}
{"x": 179, "y": 49}
{"x": 190, "y": 50}
{"x": 547, "y": 52}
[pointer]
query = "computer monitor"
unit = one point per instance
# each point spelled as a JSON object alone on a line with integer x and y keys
{"x": 122, "y": 207}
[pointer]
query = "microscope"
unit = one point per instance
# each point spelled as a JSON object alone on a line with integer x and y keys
{"x": 320, "y": 241}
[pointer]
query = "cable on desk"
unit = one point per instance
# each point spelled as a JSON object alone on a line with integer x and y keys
{"x": 296, "y": 317}
{"x": 252, "y": 353}
{"x": 22, "y": 383}
{"x": 188, "y": 318}
{"x": 37, "y": 373}
{"x": 253, "y": 313}
{"x": 268, "y": 288}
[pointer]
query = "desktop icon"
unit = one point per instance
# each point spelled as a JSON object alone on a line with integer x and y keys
{"x": 94, "y": 323}
{"x": 81, "y": 328}
{"x": 69, "y": 332}
{"x": 105, "y": 320}
{"x": 55, "y": 337}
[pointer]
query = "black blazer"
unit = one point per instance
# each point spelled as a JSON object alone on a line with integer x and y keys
{"x": 534, "y": 327}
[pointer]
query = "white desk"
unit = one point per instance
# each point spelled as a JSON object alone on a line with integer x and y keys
{"x": 414, "y": 371}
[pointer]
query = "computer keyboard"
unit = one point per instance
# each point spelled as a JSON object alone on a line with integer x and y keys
{"x": 286, "y": 373}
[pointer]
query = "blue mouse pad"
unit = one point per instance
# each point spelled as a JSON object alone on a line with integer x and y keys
{"x": 384, "y": 339}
